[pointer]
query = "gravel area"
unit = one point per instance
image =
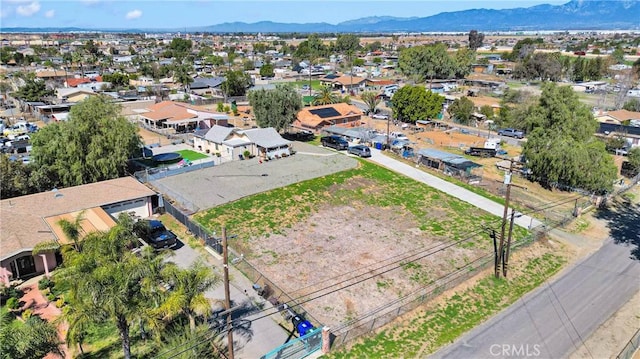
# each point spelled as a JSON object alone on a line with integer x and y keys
{"x": 230, "y": 181}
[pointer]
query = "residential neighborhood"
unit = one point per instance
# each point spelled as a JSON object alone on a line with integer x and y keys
{"x": 311, "y": 195}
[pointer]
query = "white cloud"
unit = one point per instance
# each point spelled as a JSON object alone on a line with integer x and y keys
{"x": 49, "y": 14}
{"x": 133, "y": 14}
{"x": 29, "y": 9}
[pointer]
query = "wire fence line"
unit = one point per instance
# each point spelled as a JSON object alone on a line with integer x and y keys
{"x": 375, "y": 319}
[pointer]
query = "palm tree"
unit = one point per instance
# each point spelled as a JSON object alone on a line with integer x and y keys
{"x": 325, "y": 97}
{"x": 105, "y": 283}
{"x": 72, "y": 229}
{"x": 187, "y": 296}
{"x": 78, "y": 58}
{"x": 371, "y": 100}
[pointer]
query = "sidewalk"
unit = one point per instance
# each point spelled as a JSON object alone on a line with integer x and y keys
{"x": 450, "y": 188}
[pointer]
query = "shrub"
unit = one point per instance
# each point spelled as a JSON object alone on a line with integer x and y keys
{"x": 51, "y": 297}
{"x": 45, "y": 283}
{"x": 220, "y": 107}
{"x": 27, "y": 314}
{"x": 227, "y": 109}
{"x": 246, "y": 154}
{"x": 13, "y": 303}
{"x": 60, "y": 303}
{"x": 218, "y": 154}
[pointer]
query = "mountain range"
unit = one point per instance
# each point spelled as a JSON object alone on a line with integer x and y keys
{"x": 574, "y": 15}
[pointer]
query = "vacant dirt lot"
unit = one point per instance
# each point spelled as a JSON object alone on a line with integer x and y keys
{"x": 337, "y": 243}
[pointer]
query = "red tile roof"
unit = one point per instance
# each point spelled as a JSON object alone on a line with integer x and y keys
{"x": 74, "y": 82}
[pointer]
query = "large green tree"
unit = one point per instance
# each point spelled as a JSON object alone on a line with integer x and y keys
{"x": 93, "y": 145}
{"x": 236, "y": 83}
{"x": 14, "y": 178}
{"x": 561, "y": 149}
{"x": 413, "y": 103}
{"x": 275, "y": 108}
{"x": 461, "y": 110}
{"x": 33, "y": 90}
{"x": 427, "y": 62}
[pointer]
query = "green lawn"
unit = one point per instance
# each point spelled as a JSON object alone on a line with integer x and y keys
{"x": 436, "y": 213}
{"x": 191, "y": 155}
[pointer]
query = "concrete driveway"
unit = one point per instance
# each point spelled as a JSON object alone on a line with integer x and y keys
{"x": 262, "y": 335}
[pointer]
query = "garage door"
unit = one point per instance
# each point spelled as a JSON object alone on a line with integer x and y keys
{"x": 139, "y": 208}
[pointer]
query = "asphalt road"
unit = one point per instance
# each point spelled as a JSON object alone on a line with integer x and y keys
{"x": 554, "y": 320}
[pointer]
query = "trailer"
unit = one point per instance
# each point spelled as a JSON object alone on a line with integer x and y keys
{"x": 481, "y": 152}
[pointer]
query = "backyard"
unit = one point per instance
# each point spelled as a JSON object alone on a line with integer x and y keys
{"x": 327, "y": 230}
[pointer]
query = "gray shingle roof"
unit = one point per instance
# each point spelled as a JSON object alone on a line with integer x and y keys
{"x": 217, "y": 133}
{"x": 266, "y": 137}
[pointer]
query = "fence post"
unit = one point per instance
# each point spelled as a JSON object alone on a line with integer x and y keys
{"x": 326, "y": 340}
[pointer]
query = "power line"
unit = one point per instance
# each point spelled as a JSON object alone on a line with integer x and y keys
{"x": 294, "y": 302}
{"x": 472, "y": 235}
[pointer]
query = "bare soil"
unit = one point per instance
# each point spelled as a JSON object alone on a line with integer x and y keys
{"x": 371, "y": 241}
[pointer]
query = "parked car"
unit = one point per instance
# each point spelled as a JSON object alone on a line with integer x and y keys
{"x": 511, "y": 132}
{"x": 359, "y": 150}
{"x": 154, "y": 233}
{"x": 399, "y": 136}
{"x": 336, "y": 142}
{"x": 380, "y": 116}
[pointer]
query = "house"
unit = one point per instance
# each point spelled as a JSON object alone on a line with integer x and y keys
{"x": 47, "y": 74}
{"x": 620, "y": 123}
{"x": 231, "y": 143}
{"x": 74, "y": 82}
{"x": 207, "y": 86}
{"x": 268, "y": 143}
{"x": 180, "y": 117}
{"x": 345, "y": 83}
{"x": 33, "y": 219}
{"x": 316, "y": 117}
{"x": 73, "y": 94}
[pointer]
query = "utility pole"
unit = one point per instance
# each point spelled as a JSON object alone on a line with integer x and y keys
{"x": 503, "y": 253}
{"x": 507, "y": 181}
{"x": 505, "y": 260}
{"x": 227, "y": 297}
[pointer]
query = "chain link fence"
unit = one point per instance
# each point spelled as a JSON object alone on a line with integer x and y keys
{"x": 371, "y": 321}
{"x": 297, "y": 348}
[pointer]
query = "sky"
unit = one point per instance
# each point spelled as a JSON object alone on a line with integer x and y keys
{"x": 153, "y": 14}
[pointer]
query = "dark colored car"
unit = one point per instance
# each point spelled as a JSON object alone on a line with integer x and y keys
{"x": 336, "y": 142}
{"x": 155, "y": 234}
{"x": 511, "y": 132}
{"x": 359, "y": 150}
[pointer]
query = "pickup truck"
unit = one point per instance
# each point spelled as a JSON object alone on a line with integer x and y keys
{"x": 511, "y": 132}
{"x": 155, "y": 234}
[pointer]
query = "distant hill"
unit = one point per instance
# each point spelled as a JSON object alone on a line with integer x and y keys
{"x": 574, "y": 15}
